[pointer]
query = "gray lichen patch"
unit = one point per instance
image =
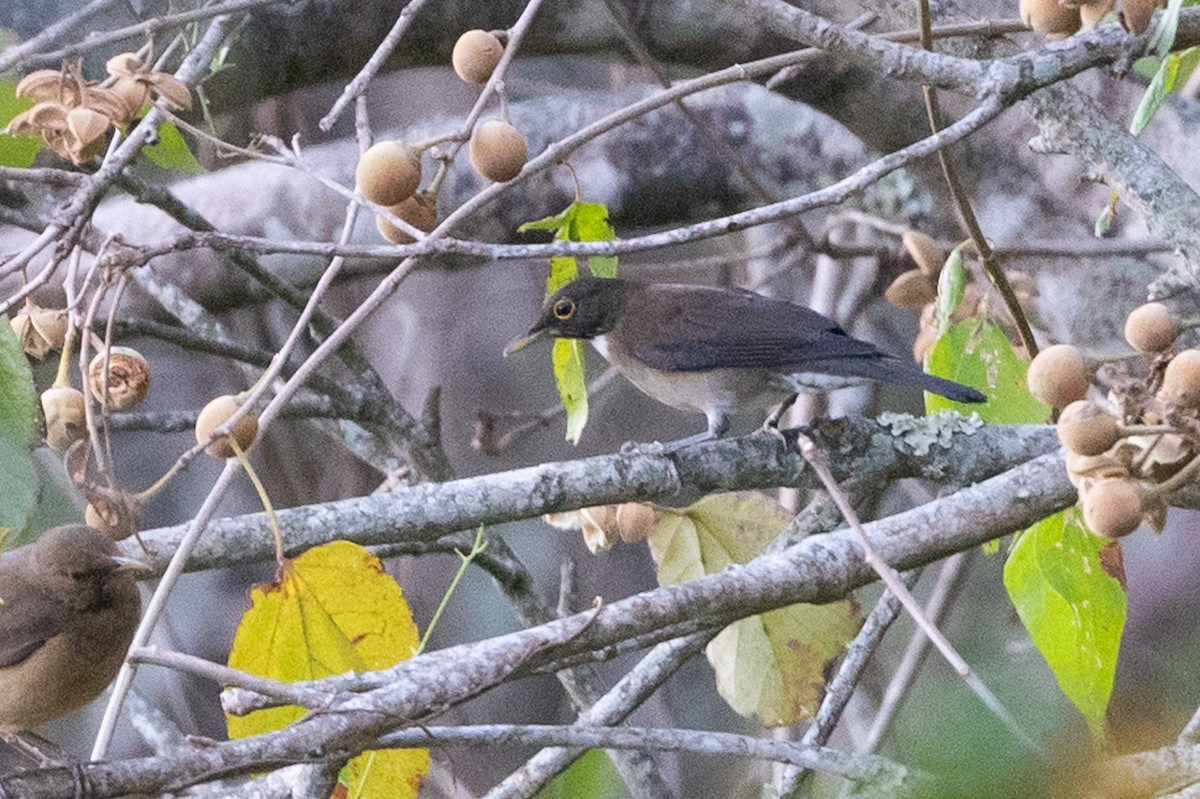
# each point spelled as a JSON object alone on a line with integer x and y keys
{"x": 921, "y": 433}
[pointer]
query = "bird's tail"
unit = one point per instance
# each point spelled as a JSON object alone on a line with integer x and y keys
{"x": 894, "y": 370}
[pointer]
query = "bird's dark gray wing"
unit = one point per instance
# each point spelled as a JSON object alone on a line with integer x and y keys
{"x": 28, "y": 619}
{"x": 692, "y": 328}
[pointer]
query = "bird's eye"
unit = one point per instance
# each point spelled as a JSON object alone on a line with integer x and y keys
{"x": 563, "y": 310}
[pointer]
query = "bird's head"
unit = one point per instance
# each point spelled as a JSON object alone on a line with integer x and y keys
{"x": 585, "y": 308}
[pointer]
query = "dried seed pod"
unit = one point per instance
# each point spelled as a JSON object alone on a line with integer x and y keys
{"x": 128, "y": 377}
{"x": 420, "y": 211}
{"x": 174, "y": 92}
{"x": 133, "y": 93}
{"x": 388, "y": 173}
{"x": 926, "y": 253}
{"x": 1181, "y": 381}
{"x": 1137, "y": 14}
{"x": 1049, "y": 18}
{"x": 1058, "y": 376}
{"x": 1114, "y": 508}
{"x": 112, "y": 515}
{"x": 124, "y": 65}
{"x": 40, "y": 330}
{"x": 66, "y": 417}
{"x": 475, "y": 56}
{"x": 214, "y": 415}
{"x": 1151, "y": 328}
{"x": 498, "y": 151}
{"x": 912, "y": 290}
{"x": 635, "y": 521}
{"x": 1093, "y": 13}
{"x": 1086, "y": 428}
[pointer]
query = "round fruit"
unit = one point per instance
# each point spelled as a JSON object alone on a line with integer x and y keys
{"x": 475, "y": 56}
{"x": 1058, "y": 376}
{"x": 128, "y": 377}
{"x": 1086, "y": 428}
{"x": 216, "y": 414}
{"x": 388, "y": 173}
{"x": 112, "y": 517}
{"x": 1050, "y": 19}
{"x": 912, "y": 290}
{"x": 1113, "y": 508}
{"x": 420, "y": 211}
{"x": 498, "y": 151}
{"x": 1181, "y": 381}
{"x": 66, "y": 417}
{"x": 1150, "y": 328}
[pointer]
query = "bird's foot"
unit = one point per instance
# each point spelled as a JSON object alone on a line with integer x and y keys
{"x": 643, "y": 448}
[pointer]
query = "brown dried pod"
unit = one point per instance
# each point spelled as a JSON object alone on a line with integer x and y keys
{"x": 66, "y": 417}
{"x": 44, "y": 85}
{"x": 1093, "y": 13}
{"x": 635, "y": 521}
{"x": 124, "y": 65}
{"x": 497, "y": 151}
{"x": 1114, "y": 508}
{"x": 174, "y": 92}
{"x": 128, "y": 380}
{"x": 1049, "y": 18}
{"x": 912, "y": 289}
{"x": 87, "y": 125}
{"x": 925, "y": 251}
{"x": 420, "y": 211}
{"x": 1137, "y": 14}
{"x": 1084, "y": 470}
{"x": 40, "y": 330}
{"x": 388, "y": 173}
{"x": 133, "y": 93}
{"x": 1058, "y": 376}
{"x": 115, "y": 516}
{"x": 597, "y": 523}
{"x": 214, "y": 415}
{"x": 475, "y": 56}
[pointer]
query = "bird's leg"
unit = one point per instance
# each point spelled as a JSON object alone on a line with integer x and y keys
{"x": 771, "y": 425}
{"x": 718, "y": 423}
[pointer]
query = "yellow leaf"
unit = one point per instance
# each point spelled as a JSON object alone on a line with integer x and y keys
{"x": 770, "y": 665}
{"x": 334, "y": 610}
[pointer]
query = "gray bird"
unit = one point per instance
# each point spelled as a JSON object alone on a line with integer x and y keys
{"x": 70, "y": 608}
{"x": 716, "y": 350}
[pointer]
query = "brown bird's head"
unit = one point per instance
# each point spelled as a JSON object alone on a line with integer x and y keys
{"x": 79, "y": 564}
{"x": 584, "y": 308}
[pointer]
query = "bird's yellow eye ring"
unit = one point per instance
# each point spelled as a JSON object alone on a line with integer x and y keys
{"x": 563, "y": 310}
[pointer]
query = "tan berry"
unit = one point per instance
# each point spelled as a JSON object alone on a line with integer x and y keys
{"x": 128, "y": 380}
{"x": 1058, "y": 376}
{"x": 388, "y": 173}
{"x": 420, "y": 211}
{"x": 912, "y": 290}
{"x": 498, "y": 151}
{"x": 1181, "y": 381}
{"x": 1114, "y": 508}
{"x": 1049, "y": 18}
{"x": 1086, "y": 428}
{"x": 1092, "y": 14}
{"x": 66, "y": 417}
{"x": 1151, "y": 328}
{"x": 475, "y": 56}
{"x": 216, "y": 414}
{"x": 1137, "y": 14}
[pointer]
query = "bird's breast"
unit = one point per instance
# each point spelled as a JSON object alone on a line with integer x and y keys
{"x": 726, "y": 390}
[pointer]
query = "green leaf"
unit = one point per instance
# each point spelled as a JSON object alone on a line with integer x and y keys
{"x": 592, "y": 776}
{"x": 976, "y": 353}
{"x": 772, "y": 665}
{"x": 1152, "y": 99}
{"x": 1074, "y": 611}
{"x": 579, "y": 221}
{"x": 569, "y": 376}
{"x": 18, "y": 433}
{"x": 952, "y": 282}
{"x": 172, "y": 151}
{"x": 1105, "y": 220}
{"x": 1164, "y": 35}
{"x": 15, "y": 151}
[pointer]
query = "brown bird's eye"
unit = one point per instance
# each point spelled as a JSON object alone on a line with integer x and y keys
{"x": 563, "y": 310}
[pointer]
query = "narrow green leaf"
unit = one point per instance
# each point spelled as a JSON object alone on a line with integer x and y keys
{"x": 1164, "y": 35}
{"x": 553, "y": 223}
{"x": 1074, "y": 611}
{"x": 572, "y": 387}
{"x": 1152, "y": 99}
{"x": 172, "y": 151}
{"x": 952, "y": 282}
{"x": 18, "y": 433}
{"x": 1104, "y": 221}
{"x": 977, "y": 354}
{"x": 15, "y": 151}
